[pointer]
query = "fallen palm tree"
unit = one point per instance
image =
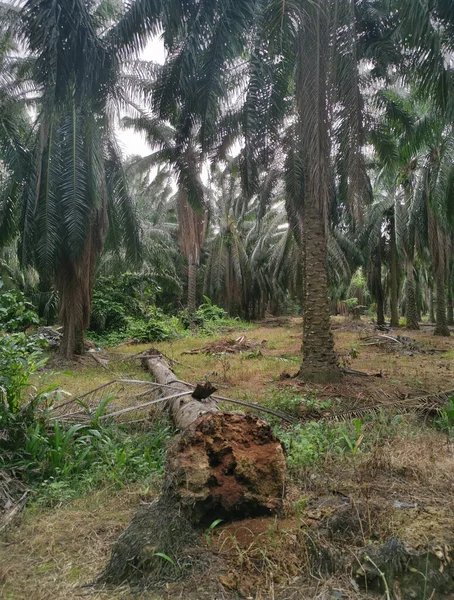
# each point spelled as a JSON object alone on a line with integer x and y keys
{"x": 222, "y": 465}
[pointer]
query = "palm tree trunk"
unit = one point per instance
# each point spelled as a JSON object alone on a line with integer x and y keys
{"x": 319, "y": 357}
{"x": 431, "y": 305}
{"x": 75, "y": 286}
{"x": 394, "y": 277}
{"x": 75, "y": 282}
{"x": 441, "y": 326}
{"x": 450, "y": 309}
{"x": 376, "y": 284}
{"x": 411, "y": 309}
{"x": 192, "y": 287}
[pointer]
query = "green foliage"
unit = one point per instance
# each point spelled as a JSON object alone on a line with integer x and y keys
{"x": 16, "y": 314}
{"x": 150, "y": 331}
{"x": 61, "y": 462}
{"x": 20, "y": 357}
{"x": 154, "y": 325}
{"x": 308, "y": 444}
{"x": 133, "y": 292}
{"x": 351, "y": 304}
{"x": 285, "y": 401}
{"x": 210, "y": 319}
{"x": 209, "y": 312}
{"x": 445, "y": 422}
{"x": 123, "y": 309}
{"x": 209, "y": 532}
{"x": 107, "y": 315}
{"x": 353, "y": 352}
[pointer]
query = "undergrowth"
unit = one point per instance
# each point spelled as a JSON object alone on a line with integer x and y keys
{"x": 112, "y": 456}
{"x": 310, "y": 442}
{"x": 58, "y": 461}
{"x": 153, "y": 325}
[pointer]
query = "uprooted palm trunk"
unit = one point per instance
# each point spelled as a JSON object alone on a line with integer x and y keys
{"x": 222, "y": 465}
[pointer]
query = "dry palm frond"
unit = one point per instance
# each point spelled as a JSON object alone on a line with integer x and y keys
{"x": 428, "y": 405}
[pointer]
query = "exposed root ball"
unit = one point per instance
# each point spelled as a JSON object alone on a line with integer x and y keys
{"x": 227, "y": 466}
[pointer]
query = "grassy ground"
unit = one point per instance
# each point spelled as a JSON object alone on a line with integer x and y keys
{"x": 380, "y": 460}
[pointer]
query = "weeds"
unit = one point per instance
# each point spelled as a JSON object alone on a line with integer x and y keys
{"x": 209, "y": 532}
{"x": 68, "y": 464}
{"x": 445, "y": 422}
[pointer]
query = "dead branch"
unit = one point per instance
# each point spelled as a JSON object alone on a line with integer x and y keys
{"x": 145, "y": 405}
{"x": 14, "y": 511}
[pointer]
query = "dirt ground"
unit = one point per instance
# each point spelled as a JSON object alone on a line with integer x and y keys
{"x": 336, "y": 513}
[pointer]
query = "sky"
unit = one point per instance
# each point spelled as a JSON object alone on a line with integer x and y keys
{"x": 132, "y": 142}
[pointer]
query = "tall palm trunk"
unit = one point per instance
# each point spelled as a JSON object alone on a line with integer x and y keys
{"x": 431, "y": 305}
{"x": 394, "y": 276}
{"x": 319, "y": 357}
{"x": 441, "y": 324}
{"x": 450, "y": 309}
{"x": 191, "y": 235}
{"x": 74, "y": 305}
{"x": 375, "y": 282}
{"x": 75, "y": 285}
{"x": 411, "y": 308}
{"x": 192, "y": 286}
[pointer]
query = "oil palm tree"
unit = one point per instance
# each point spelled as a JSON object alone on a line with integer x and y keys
{"x": 228, "y": 278}
{"x": 183, "y": 158}
{"x": 154, "y": 199}
{"x": 414, "y": 141}
{"x": 294, "y": 60}
{"x": 74, "y": 190}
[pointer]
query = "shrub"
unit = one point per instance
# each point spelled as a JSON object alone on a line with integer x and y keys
{"x": 445, "y": 420}
{"x": 132, "y": 291}
{"x": 155, "y": 328}
{"x": 20, "y": 357}
{"x": 16, "y": 314}
{"x": 308, "y": 444}
{"x": 209, "y": 313}
{"x": 107, "y": 315}
{"x": 62, "y": 462}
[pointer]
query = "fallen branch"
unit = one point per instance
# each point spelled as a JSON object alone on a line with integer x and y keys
{"x": 259, "y": 408}
{"x": 14, "y": 511}
{"x": 360, "y": 373}
{"x": 145, "y": 405}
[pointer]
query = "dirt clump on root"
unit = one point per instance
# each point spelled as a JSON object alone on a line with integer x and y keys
{"x": 228, "y": 465}
{"x": 224, "y": 466}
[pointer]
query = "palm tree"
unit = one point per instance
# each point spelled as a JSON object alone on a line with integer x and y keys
{"x": 184, "y": 161}
{"x": 75, "y": 188}
{"x": 229, "y": 280}
{"x": 296, "y": 59}
{"x": 155, "y": 205}
{"x": 15, "y": 126}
